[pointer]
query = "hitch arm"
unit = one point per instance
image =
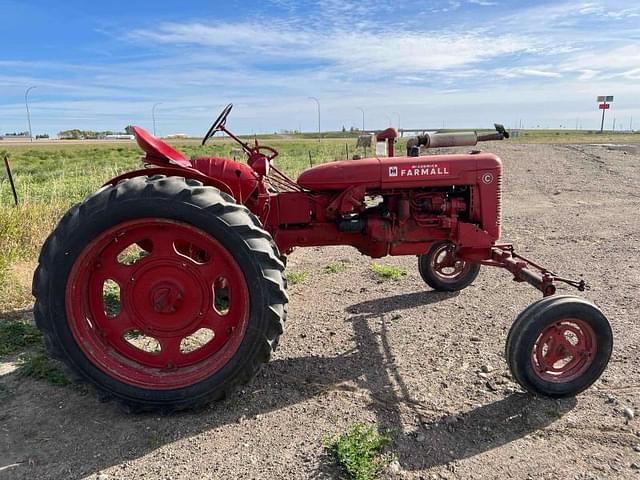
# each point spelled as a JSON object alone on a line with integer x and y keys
{"x": 525, "y": 270}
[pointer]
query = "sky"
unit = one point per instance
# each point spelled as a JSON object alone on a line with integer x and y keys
{"x": 413, "y": 64}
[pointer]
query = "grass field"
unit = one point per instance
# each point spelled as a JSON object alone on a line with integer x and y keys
{"x": 52, "y": 177}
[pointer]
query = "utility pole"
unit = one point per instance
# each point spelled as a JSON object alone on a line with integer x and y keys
{"x": 153, "y": 116}
{"x": 26, "y": 104}
{"x": 362, "y": 110}
{"x": 318, "y": 102}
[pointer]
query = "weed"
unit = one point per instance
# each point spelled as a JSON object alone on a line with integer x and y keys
{"x": 296, "y": 277}
{"x": 38, "y": 365}
{"x": 387, "y": 272}
{"x": 18, "y": 335}
{"x": 156, "y": 440}
{"x": 359, "y": 451}
{"x": 335, "y": 267}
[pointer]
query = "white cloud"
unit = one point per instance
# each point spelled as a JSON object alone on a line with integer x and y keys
{"x": 483, "y": 3}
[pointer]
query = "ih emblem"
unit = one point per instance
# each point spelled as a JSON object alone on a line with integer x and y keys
{"x": 393, "y": 171}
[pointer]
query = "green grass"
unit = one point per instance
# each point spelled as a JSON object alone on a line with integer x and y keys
{"x": 387, "y": 272}
{"x": 156, "y": 440}
{"x": 336, "y": 267}
{"x": 359, "y": 451}
{"x": 38, "y": 365}
{"x": 16, "y": 336}
{"x": 294, "y": 278}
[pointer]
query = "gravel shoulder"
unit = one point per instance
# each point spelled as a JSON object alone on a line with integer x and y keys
{"x": 428, "y": 365}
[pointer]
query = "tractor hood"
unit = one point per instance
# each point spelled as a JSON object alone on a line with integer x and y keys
{"x": 159, "y": 152}
{"x": 397, "y": 172}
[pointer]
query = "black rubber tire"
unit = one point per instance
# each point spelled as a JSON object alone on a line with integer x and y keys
{"x": 188, "y": 201}
{"x": 432, "y": 279}
{"x": 529, "y": 325}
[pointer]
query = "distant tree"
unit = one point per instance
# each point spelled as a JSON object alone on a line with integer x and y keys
{"x": 343, "y": 129}
{"x": 128, "y": 130}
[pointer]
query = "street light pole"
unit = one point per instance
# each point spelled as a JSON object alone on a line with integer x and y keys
{"x": 153, "y": 116}
{"x": 318, "y": 102}
{"x": 26, "y": 104}
{"x": 362, "y": 110}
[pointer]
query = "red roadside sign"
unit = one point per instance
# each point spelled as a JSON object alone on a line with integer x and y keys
{"x": 604, "y": 106}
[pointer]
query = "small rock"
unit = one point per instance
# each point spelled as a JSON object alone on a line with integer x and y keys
{"x": 636, "y": 448}
{"x": 483, "y": 375}
{"x": 102, "y": 476}
{"x": 451, "y": 419}
{"x": 635, "y": 466}
{"x": 475, "y": 338}
{"x": 611, "y": 398}
{"x": 492, "y": 387}
{"x": 395, "y": 468}
{"x": 486, "y": 368}
{"x": 420, "y": 437}
{"x": 629, "y": 413}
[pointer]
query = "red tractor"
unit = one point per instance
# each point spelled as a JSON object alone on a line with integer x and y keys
{"x": 197, "y": 248}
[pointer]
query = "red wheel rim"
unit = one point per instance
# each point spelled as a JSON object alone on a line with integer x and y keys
{"x": 446, "y": 266}
{"x": 187, "y": 290}
{"x": 564, "y": 350}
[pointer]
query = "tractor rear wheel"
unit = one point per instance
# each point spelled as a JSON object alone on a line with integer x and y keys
{"x": 559, "y": 346}
{"x": 442, "y": 271}
{"x": 162, "y": 293}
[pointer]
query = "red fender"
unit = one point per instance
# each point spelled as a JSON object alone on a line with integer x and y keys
{"x": 174, "y": 172}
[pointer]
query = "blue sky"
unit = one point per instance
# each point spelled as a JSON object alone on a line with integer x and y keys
{"x": 458, "y": 63}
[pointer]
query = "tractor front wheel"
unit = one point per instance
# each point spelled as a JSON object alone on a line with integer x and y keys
{"x": 559, "y": 346}
{"x": 443, "y": 271}
{"x": 162, "y": 293}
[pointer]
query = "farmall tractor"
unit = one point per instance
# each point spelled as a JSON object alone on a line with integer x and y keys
{"x": 196, "y": 248}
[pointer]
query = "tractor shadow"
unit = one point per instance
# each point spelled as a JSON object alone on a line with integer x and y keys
{"x": 395, "y": 303}
{"x": 438, "y": 440}
{"x": 63, "y": 432}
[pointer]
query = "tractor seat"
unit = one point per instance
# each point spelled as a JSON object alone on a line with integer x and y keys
{"x": 158, "y": 150}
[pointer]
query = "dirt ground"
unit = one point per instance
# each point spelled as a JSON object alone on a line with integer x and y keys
{"x": 360, "y": 349}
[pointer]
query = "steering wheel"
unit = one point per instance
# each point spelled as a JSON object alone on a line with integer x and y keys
{"x": 219, "y": 122}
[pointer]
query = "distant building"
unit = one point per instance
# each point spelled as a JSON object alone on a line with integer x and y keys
{"x": 119, "y": 136}
{"x": 178, "y": 135}
{"x": 14, "y": 136}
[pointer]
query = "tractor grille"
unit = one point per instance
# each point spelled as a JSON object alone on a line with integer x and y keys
{"x": 499, "y": 201}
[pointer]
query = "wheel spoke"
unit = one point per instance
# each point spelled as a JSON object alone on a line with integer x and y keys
{"x": 117, "y": 326}
{"x": 211, "y": 271}
{"x": 113, "y": 270}
{"x": 170, "y": 351}
{"x": 163, "y": 243}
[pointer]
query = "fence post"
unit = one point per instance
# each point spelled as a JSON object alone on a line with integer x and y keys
{"x": 13, "y": 186}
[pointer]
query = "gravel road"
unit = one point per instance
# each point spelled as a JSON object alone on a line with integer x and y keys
{"x": 428, "y": 365}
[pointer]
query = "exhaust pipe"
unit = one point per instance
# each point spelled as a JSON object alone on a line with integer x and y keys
{"x": 454, "y": 139}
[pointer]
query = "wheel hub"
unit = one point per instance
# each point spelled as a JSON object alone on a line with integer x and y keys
{"x": 564, "y": 350}
{"x": 168, "y": 297}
